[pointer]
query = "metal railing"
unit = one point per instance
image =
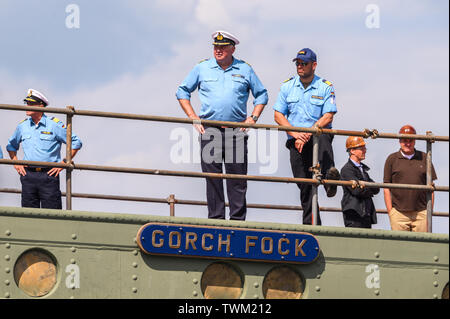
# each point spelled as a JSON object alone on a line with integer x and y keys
{"x": 172, "y": 201}
{"x": 315, "y": 181}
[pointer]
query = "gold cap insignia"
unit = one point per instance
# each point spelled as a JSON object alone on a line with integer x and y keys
{"x": 220, "y": 37}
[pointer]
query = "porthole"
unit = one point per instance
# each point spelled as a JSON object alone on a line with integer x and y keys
{"x": 35, "y": 272}
{"x": 221, "y": 281}
{"x": 283, "y": 283}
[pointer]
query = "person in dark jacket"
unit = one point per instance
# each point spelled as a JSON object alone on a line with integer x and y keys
{"x": 357, "y": 204}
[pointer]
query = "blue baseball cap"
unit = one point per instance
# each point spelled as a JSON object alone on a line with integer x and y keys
{"x": 306, "y": 55}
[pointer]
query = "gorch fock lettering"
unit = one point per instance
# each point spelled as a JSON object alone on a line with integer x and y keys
{"x": 227, "y": 243}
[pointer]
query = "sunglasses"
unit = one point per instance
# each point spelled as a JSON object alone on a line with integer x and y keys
{"x": 297, "y": 63}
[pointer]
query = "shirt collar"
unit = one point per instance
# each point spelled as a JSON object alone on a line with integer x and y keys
{"x": 314, "y": 84}
{"x": 356, "y": 163}
{"x": 234, "y": 64}
{"x": 361, "y": 165}
{"x": 42, "y": 121}
{"x": 400, "y": 154}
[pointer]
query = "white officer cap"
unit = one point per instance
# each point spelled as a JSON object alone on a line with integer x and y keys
{"x": 224, "y": 38}
{"x": 35, "y": 96}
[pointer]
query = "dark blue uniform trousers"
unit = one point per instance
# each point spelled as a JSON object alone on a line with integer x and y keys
{"x": 39, "y": 190}
{"x": 300, "y": 164}
{"x": 228, "y": 146}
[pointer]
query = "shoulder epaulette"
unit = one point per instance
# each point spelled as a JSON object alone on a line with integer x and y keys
{"x": 22, "y": 121}
{"x": 288, "y": 79}
{"x": 246, "y": 63}
{"x": 203, "y": 61}
{"x": 57, "y": 121}
{"x": 327, "y": 82}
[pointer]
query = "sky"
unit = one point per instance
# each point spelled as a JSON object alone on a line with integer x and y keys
{"x": 387, "y": 60}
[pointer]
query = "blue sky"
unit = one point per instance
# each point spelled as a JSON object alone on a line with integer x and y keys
{"x": 130, "y": 56}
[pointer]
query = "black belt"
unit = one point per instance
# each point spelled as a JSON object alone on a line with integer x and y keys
{"x": 38, "y": 169}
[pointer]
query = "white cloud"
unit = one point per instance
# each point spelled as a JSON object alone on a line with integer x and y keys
{"x": 212, "y": 13}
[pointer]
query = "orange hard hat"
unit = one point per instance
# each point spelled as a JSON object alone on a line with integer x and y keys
{"x": 407, "y": 129}
{"x": 354, "y": 141}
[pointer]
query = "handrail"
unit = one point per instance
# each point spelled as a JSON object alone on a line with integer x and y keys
{"x": 149, "y": 171}
{"x": 315, "y": 181}
{"x": 365, "y": 133}
{"x": 171, "y": 200}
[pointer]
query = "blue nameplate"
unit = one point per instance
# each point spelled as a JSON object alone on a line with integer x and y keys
{"x": 227, "y": 243}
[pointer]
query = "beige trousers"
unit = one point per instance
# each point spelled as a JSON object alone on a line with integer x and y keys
{"x": 412, "y": 221}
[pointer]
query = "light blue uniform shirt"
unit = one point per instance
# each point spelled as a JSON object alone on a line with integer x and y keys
{"x": 223, "y": 93}
{"x": 1, "y": 153}
{"x": 303, "y": 108}
{"x": 41, "y": 142}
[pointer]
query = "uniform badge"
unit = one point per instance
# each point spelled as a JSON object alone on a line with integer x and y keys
{"x": 220, "y": 37}
{"x": 333, "y": 98}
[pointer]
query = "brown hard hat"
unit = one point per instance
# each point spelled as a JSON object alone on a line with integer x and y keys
{"x": 354, "y": 141}
{"x": 407, "y": 129}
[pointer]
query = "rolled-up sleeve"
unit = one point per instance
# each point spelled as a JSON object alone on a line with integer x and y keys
{"x": 258, "y": 90}
{"x": 189, "y": 84}
{"x": 14, "y": 141}
{"x": 61, "y": 134}
{"x": 329, "y": 105}
{"x": 76, "y": 142}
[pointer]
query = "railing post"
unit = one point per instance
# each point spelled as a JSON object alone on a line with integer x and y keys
{"x": 172, "y": 204}
{"x": 315, "y": 162}
{"x": 69, "y": 159}
{"x": 429, "y": 183}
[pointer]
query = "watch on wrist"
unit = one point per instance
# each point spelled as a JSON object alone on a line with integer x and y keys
{"x": 254, "y": 117}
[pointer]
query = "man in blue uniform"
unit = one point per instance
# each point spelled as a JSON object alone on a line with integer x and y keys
{"x": 223, "y": 83}
{"x": 307, "y": 100}
{"x": 41, "y": 138}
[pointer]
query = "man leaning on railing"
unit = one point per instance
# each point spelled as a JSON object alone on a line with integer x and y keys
{"x": 307, "y": 100}
{"x": 223, "y": 84}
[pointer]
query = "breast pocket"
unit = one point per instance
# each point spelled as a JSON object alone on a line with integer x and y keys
{"x": 240, "y": 84}
{"x": 316, "y": 107}
{"x": 292, "y": 103}
{"x": 46, "y": 141}
{"x": 208, "y": 84}
{"x": 26, "y": 140}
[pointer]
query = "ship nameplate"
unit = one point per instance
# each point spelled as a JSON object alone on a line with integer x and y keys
{"x": 227, "y": 243}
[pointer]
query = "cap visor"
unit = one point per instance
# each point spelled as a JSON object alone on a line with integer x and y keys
{"x": 29, "y": 99}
